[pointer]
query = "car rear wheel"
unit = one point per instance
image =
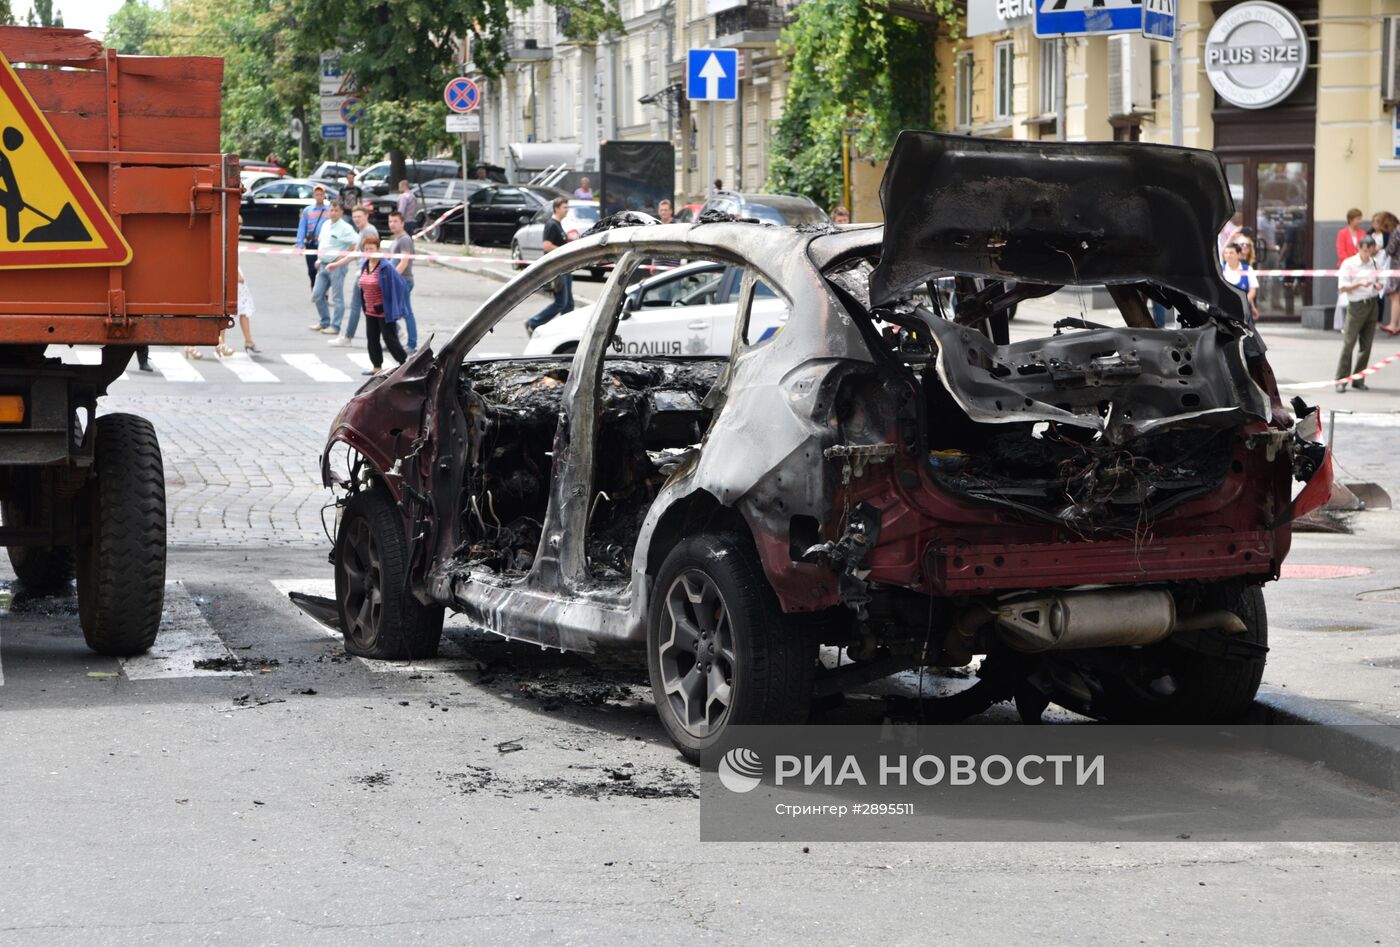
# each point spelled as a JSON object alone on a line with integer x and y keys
{"x": 379, "y": 616}
{"x": 568, "y": 348}
{"x": 720, "y": 651}
{"x": 517, "y": 256}
{"x": 1217, "y": 674}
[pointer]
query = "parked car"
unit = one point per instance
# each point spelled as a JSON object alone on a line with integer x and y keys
{"x": 267, "y": 167}
{"x": 686, "y": 311}
{"x": 528, "y": 242}
{"x": 499, "y": 210}
{"x": 375, "y": 178}
{"x": 274, "y": 209}
{"x": 688, "y": 212}
{"x": 441, "y": 205}
{"x": 252, "y": 180}
{"x": 1094, "y": 511}
{"x": 334, "y": 171}
{"x": 793, "y": 210}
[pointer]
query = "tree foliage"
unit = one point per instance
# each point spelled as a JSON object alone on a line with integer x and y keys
{"x": 857, "y": 67}
{"x": 42, "y": 13}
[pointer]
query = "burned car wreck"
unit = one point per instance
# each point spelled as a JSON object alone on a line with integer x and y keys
{"x": 1094, "y": 512}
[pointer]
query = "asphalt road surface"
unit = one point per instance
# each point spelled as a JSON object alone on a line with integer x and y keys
{"x": 247, "y": 782}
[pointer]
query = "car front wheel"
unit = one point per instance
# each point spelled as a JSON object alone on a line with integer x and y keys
{"x": 720, "y": 651}
{"x": 379, "y": 615}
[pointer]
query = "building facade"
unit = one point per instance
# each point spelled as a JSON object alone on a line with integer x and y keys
{"x": 1298, "y": 98}
{"x": 630, "y": 86}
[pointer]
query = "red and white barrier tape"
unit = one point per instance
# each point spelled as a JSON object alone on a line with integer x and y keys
{"x": 1378, "y": 274}
{"x": 1353, "y": 377}
{"x": 428, "y": 257}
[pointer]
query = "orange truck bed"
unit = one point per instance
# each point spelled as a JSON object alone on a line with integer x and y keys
{"x": 143, "y": 132}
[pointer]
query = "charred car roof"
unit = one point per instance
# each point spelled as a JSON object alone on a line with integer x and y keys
{"x": 1063, "y": 213}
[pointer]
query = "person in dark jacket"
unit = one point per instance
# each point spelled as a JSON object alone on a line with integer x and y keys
{"x": 384, "y": 297}
{"x": 554, "y": 238}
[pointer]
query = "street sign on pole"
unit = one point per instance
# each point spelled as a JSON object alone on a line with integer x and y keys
{"x": 295, "y": 128}
{"x": 470, "y": 122}
{"x": 336, "y": 131}
{"x": 1087, "y": 17}
{"x": 352, "y": 140}
{"x": 712, "y": 75}
{"x": 461, "y": 95}
{"x": 1159, "y": 19}
{"x": 352, "y": 110}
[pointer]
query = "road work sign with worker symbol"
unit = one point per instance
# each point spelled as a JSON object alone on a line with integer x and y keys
{"x": 49, "y": 215}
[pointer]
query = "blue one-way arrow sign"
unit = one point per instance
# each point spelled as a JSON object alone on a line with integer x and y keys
{"x": 712, "y": 75}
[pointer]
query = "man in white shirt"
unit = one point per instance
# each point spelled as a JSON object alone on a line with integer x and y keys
{"x": 1359, "y": 284}
{"x": 335, "y": 237}
{"x": 365, "y": 229}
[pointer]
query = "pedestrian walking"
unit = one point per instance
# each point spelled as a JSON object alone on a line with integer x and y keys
{"x": 351, "y": 195}
{"x": 382, "y": 293}
{"x": 1359, "y": 284}
{"x": 403, "y": 245}
{"x": 1347, "y": 239}
{"x": 1240, "y": 274}
{"x": 665, "y": 213}
{"x": 408, "y": 206}
{"x": 335, "y": 239}
{"x": 309, "y": 226}
{"x": 583, "y": 192}
{"x": 365, "y": 230}
{"x": 554, "y": 238}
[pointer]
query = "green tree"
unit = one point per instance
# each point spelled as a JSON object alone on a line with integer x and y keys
{"x": 855, "y": 67}
{"x": 131, "y": 27}
{"x": 7, "y": 13}
{"x": 42, "y": 13}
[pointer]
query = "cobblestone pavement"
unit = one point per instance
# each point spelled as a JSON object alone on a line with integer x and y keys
{"x": 241, "y": 471}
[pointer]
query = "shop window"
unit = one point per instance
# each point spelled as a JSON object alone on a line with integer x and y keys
{"x": 963, "y": 89}
{"x": 1004, "y": 80}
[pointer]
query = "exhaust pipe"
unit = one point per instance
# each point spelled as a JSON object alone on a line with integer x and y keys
{"x": 1101, "y": 619}
{"x": 1087, "y": 619}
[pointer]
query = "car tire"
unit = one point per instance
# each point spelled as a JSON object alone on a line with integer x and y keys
{"x": 715, "y": 633}
{"x": 1218, "y": 674}
{"x": 121, "y": 566}
{"x": 42, "y": 570}
{"x": 261, "y": 237}
{"x": 379, "y": 615}
{"x": 568, "y": 348}
{"x": 516, "y": 254}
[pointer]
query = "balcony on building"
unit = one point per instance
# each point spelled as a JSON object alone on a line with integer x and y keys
{"x": 529, "y": 41}
{"x": 752, "y": 24}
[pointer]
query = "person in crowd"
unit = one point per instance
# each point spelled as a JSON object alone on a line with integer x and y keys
{"x": 1359, "y": 284}
{"x": 1347, "y": 239}
{"x": 403, "y": 244}
{"x": 382, "y": 293}
{"x": 481, "y": 173}
{"x": 554, "y": 238}
{"x": 839, "y": 215}
{"x": 309, "y": 225}
{"x": 1228, "y": 232}
{"x": 1240, "y": 275}
{"x": 365, "y": 230}
{"x": 143, "y": 358}
{"x": 1385, "y": 231}
{"x": 335, "y": 239}
{"x": 407, "y": 206}
{"x": 245, "y": 313}
{"x": 351, "y": 195}
{"x": 583, "y": 192}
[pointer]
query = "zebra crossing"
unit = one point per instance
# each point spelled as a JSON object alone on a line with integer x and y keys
{"x": 171, "y": 366}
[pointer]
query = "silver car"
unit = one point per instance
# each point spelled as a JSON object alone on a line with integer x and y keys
{"x": 528, "y": 242}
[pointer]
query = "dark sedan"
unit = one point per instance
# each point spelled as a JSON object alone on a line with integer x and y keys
{"x": 274, "y": 209}
{"x": 497, "y": 212}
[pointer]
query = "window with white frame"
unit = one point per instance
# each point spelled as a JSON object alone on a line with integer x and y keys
{"x": 962, "y": 89}
{"x": 1003, "y": 80}
{"x": 1052, "y": 66}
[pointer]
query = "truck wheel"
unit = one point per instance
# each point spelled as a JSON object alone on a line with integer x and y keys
{"x": 720, "y": 651}
{"x": 45, "y": 570}
{"x": 121, "y": 568}
{"x": 378, "y": 615}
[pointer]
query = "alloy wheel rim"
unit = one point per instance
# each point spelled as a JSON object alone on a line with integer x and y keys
{"x": 696, "y": 654}
{"x": 363, "y": 602}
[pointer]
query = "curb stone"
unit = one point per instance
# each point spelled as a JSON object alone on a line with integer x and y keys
{"x": 1360, "y": 747}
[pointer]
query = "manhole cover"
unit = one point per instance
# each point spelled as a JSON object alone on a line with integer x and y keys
{"x": 1384, "y": 596}
{"x": 1307, "y": 570}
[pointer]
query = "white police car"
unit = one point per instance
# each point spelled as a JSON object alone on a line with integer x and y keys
{"x": 689, "y": 310}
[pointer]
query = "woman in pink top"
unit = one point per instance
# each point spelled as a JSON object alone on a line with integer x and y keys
{"x": 1348, "y": 235}
{"x": 373, "y": 296}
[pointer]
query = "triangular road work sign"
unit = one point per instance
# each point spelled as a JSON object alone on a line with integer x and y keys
{"x": 49, "y": 215}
